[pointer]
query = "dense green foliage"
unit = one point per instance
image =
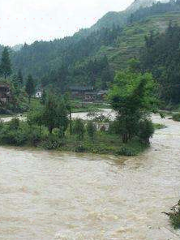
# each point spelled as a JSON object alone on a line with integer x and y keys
{"x": 133, "y": 98}
{"x": 161, "y": 56}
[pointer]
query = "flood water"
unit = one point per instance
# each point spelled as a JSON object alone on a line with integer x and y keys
{"x": 66, "y": 196}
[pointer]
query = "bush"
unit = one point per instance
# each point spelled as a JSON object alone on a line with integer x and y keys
{"x": 12, "y": 136}
{"x": 80, "y": 149}
{"x": 124, "y": 151}
{"x": 175, "y": 216}
{"x": 14, "y": 124}
{"x": 114, "y": 127}
{"x": 78, "y": 128}
{"x": 146, "y": 130}
{"x": 34, "y": 135}
{"x": 91, "y": 129}
{"x": 175, "y": 220}
{"x": 176, "y": 117}
{"x": 52, "y": 142}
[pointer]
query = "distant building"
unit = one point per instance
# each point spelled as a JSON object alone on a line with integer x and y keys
{"x": 84, "y": 93}
{"x": 88, "y": 94}
{"x": 5, "y": 93}
{"x": 38, "y": 94}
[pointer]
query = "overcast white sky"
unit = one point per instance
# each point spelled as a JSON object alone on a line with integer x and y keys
{"x": 29, "y": 20}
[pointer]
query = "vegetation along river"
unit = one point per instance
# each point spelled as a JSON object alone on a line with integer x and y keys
{"x": 67, "y": 196}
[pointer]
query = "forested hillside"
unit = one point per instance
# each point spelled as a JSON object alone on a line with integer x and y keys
{"x": 92, "y": 56}
{"x": 161, "y": 56}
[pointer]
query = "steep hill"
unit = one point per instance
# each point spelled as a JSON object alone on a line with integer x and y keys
{"x": 131, "y": 41}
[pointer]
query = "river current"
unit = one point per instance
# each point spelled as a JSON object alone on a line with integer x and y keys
{"x": 66, "y": 196}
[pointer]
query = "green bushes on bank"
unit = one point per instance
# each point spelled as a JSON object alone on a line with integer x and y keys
{"x": 176, "y": 117}
{"x": 174, "y": 216}
{"x": 19, "y": 133}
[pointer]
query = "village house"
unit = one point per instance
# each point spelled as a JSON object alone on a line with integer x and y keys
{"x": 85, "y": 93}
{"x": 38, "y": 94}
{"x": 5, "y": 93}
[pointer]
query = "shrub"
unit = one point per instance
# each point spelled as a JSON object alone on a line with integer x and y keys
{"x": 12, "y": 136}
{"x": 14, "y": 124}
{"x": 52, "y": 142}
{"x": 114, "y": 127}
{"x": 175, "y": 216}
{"x": 176, "y": 117}
{"x": 175, "y": 220}
{"x": 91, "y": 129}
{"x": 34, "y": 135}
{"x": 124, "y": 151}
{"x": 146, "y": 130}
{"x": 80, "y": 149}
{"x": 78, "y": 128}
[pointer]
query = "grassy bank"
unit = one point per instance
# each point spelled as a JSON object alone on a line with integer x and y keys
{"x": 104, "y": 143}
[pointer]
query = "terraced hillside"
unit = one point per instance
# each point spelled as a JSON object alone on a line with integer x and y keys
{"x": 131, "y": 41}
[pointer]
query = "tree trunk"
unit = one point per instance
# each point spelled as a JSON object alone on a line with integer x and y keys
{"x": 125, "y": 138}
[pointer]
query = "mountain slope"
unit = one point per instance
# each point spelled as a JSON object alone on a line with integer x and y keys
{"x": 131, "y": 41}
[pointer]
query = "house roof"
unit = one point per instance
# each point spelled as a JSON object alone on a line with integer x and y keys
{"x": 81, "y": 88}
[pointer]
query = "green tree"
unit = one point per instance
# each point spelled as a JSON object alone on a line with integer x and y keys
{"x": 30, "y": 88}
{"x": 133, "y": 98}
{"x": 55, "y": 114}
{"x": 5, "y": 67}
{"x": 79, "y": 129}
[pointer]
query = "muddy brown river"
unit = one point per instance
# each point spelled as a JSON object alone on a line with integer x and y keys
{"x": 66, "y": 196}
